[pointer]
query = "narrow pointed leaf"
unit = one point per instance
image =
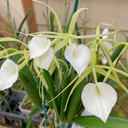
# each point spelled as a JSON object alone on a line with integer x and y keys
{"x": 51, "y": 88}
{"x": 65, "y": 94}
{"x": 73, "y": 20}
{"x": 75, "y": 100}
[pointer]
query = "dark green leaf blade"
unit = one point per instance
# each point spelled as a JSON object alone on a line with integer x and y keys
{"x": 94, "y": 122}
{"x": 30, "y": 86}
{"x": 75, "y": 100}
{"x": 51, "y": 88}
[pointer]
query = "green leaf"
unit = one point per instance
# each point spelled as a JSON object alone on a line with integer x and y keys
{"x": 51, "y": 88}
{"x": 78, "y": 33}
{"x": 52, "y": 22}
{"x": 33, "y": 113}
{"x": 30, "y": 86}
{"x": 73, "y": 20}
{"x": 85, "y": 73}
{"x": 75, "y": 100}
{"x": 22, "y": 23}
{"x": 94, "y": 122}
{"x": 5, "y": 101}
{"x": 67, "y": 27}
{"x": 65, "y": 94}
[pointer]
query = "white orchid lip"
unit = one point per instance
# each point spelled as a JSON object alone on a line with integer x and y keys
{"x": 105, "y": 31}
{"x": 8, "y": 74}
{"x": 78, "y": 56}
{"x": 109, "y": 45}
{"x": 99, "y": 99}
{"x": 38, "y": 46}
{"x": 45, "y": 60}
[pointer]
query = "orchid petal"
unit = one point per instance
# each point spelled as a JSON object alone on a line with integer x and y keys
{"x": 8, "y": 74}
{"x": 45, "y": 60}
{"x": 105, "y": 31}
{"x": 86, "y": 113}
{"x": 38, "y": 46}
{"x": 99, "y": 99}
{"x": 109, "y": 46}
{"x": 104, "y": 60}
{"x": 76, "y": 126}
{"x": 78, "y": 56}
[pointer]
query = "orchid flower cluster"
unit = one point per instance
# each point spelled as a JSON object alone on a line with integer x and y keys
{"x": 41, "y": 55}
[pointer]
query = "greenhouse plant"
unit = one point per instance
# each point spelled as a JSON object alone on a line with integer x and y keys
{"x": 73, "y": 80}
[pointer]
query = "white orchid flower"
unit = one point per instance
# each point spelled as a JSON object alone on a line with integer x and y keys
{"x": 38, "y": 46}
{"x": 45, "y": 60}
{"x": 109, "y": 45}
{"x": 99, "y": 99}
{"x": 78, "y": 56}
{"x": 8, "y": 74}
{"x": 41, "y": 51}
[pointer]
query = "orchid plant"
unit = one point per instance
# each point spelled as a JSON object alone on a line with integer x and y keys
{"x": 68, "y": 75}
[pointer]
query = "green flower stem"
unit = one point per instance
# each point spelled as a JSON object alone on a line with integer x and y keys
{"x": 68, "y": 35}
{"x": 112, "y": 69}
{"x": 94, "y": 74}
{"x": 65, "y": 88}
{"x": 24, "y": 63}
{"x": 9, "y": 39}
{"x": 12, "y": 54}
{"x": 67, "y": 69}
{"x": 113, "y": 58}
{"x": 57, "y": 18}
{"x": 93, "y": 56}
{"x": 115, "y": 62}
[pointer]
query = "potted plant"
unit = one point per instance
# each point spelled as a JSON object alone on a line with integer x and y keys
{"x": 72, "y": 78}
